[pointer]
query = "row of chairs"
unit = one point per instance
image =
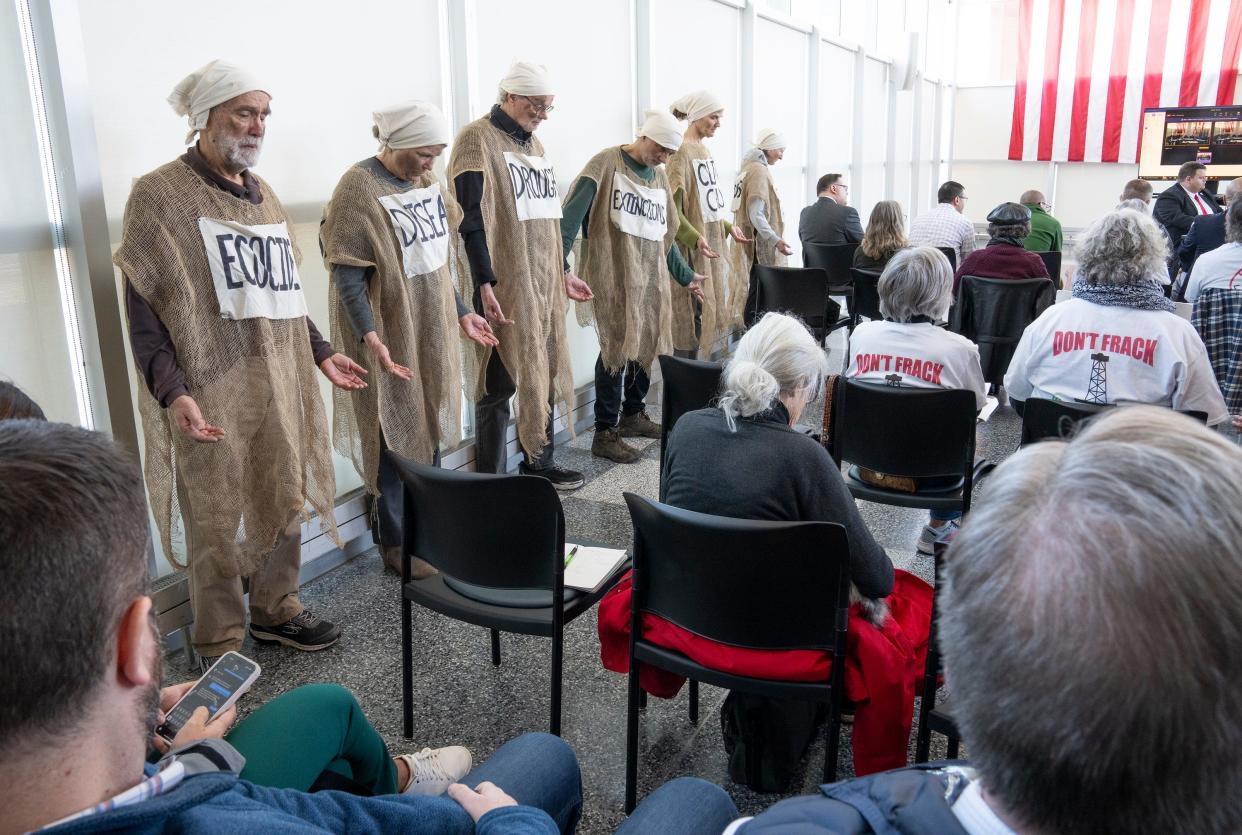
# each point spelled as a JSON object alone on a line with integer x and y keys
{"x": 720, "y": 602}
{"x": 837, "y": 259}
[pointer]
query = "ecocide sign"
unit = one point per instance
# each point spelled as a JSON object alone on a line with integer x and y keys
{"x": 253, "y": 270}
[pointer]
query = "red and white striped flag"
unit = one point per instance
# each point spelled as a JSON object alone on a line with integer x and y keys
{"x": 1088, "y": 68}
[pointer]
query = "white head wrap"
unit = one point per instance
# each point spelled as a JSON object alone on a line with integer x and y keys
{"x": 662, "y": 128}
{"x": 209, "y": 85}
{"x": 527, "y": 79}
{"x": 769, "y": 139}
{"x": 698, "y": 104}
{"x": 410, "y": 124}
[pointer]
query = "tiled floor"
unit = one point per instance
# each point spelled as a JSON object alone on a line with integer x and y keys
{"x": 463, "y": 699}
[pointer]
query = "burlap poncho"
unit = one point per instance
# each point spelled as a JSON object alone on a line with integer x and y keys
{"x": 530, "y": 284}
{"x": 715, "y": 319}
{"x": 415, "y": 317}
{"x": 754, "y": 180}
{"x": 628, "y": 274}
{"x": 255, "y": 378}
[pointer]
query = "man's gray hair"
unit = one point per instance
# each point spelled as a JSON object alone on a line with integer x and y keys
{"x": 502, "y": 95}
{"x": 1092, "y": 629}
{"x": 1134, "y": 203}
{"x": 1124, "y": 247}
{"x": 916, "y": 282}
{"x": 1233, "y": 222}
{"x": 776, "y": 356}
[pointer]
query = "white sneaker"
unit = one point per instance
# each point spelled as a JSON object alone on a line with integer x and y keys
{"x": 930, "y": 536}
{"x": 433, "y": 770}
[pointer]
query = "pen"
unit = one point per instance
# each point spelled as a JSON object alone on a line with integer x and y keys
{"x": 569, "y": 557}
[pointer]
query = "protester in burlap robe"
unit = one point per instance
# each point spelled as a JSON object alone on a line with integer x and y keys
{"x": 705, "y": 228}
{"x": 622, "y": 203}
{"x": 390, "y": 243}
{"x": 757, "y": 212}
{"x": 219, "y": 330}
{"x": 510, "y": 231}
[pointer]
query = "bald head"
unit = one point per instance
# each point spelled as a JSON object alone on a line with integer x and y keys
{"x": 1232, "y": 189}
{"x": 1031, "y": 196}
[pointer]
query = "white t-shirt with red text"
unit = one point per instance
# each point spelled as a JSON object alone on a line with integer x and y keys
{"x": 919, "y": 355}
{"x": 1082, "y": 352}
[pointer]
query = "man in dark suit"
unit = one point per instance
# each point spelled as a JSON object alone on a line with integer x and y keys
{"x": 1179, "y": 204}
{"x": 830, "y": 219}
{"x": 1207, "y": 232}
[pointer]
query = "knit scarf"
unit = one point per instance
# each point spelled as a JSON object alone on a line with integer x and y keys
{"x": 1144, "y": 295}
{"x": 1005, "y": 239}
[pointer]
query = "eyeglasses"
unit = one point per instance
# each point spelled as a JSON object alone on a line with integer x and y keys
{"x": 1047, "y": 207}
{"x": 540, "y": 109}
{"x": 841, "y": 186}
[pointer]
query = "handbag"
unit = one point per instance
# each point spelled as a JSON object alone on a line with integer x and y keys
{"x": 900, "y": 483}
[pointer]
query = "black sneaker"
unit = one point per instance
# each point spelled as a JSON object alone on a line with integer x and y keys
{"x": 306, "y": 632}
{"x": 205, "y": 662}
{"x": 561, "y": 479}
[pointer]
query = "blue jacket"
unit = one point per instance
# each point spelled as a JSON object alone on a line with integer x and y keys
{"x": 1207, "y": 232}
{"x": 908, "y": 801}
{"x": 219, "y": 803}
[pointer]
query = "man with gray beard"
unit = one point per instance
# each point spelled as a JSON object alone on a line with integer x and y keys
{"x": 234, "y": 426}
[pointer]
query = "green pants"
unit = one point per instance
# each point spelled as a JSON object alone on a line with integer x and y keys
{"x": 295, "y": 737}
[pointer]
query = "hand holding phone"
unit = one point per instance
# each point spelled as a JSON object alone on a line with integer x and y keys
{"x": 209, "y": 701}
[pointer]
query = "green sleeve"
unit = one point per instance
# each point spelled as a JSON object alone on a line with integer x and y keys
{"x": 728, "y": 227}
{"x": 574, "y": 214}
{"x": 678, "y": 268}
{"x": 687, "y": 235}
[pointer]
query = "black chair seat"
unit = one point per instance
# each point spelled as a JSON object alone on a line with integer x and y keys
{"x": 675, "y": 662}
{"x": 432, "y": 593}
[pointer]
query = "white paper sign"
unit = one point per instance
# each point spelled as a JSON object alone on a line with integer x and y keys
{"x": 420, "y": 222}
{"x": 534, "y": 187}
{"x": 737, "y": 192}
{"x": 253, "y": 270}
{"x": 711, "y": 198}
{"x": 637, "y": 210}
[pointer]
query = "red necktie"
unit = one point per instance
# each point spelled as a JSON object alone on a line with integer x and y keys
{"x": 1203, "y": 209}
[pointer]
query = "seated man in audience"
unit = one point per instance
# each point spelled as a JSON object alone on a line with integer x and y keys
{"x": 1095, "y": 664}
{"x": 81, "y": 694}
{"x": 1137, "y": 190}
{"x": 1004, "y": 256}
{"x": 946, "y": 225}
{"x": 1118, "y": 340}
{"x": 1207, "y": 232}
{"x": 830, "y": 220}
{"x": 1045, "y": 234}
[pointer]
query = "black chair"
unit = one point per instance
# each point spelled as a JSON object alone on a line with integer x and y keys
{"x": 872, "y": 428}
{"x": 866, "y": 296}
{"x": 836, "y": 260}
{"x": 993, "y": 313}
{"x": 1044, "y": 419}
{"x": 933, "y": 717}
{"x": 951, "y": 254}
{"x": 755, "y": 584}
{"x": 1052, "y": 260}
{"x": 802, "y": 291}
{"x": 516, "y": 547}
{"x": 687, "y": 385}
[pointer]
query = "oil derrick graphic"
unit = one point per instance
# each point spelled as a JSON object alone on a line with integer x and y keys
{"x": 892, "y": 380}
{"x": 1097, "y": 387}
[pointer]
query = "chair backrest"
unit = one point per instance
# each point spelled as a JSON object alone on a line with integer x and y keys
{"x": 749, "y": 583}
{"x": 866, "y": 299}
{"x": 903, "y": 431}
{"x": 802, "y": 291}
{"x": 503, "y": 531}
{"x": 1043, "y": 419}
{"x": 835, "y": 259}
{"x": 1052, "y": 260}
{"x": 993, "y": 312}
{"x": 951, "y": 254}
{"x": 687, "y": 385}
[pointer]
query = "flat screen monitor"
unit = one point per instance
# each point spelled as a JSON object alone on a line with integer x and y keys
{"x": 1174, "y": 135}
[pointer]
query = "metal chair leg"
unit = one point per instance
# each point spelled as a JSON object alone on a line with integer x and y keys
{"x": 496, "y": 647}
{"x": 832, "y": 742}
{"x": 953, "y": 747}
{"x": 642, "y": 699}
{"x": 694, "y": 702}
{"x": 407, "y": 668}
{"x": 631, "y": 740}
{"x": 556, "y": 684}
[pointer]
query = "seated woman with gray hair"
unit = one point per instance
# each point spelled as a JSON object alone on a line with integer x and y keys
{"x": 1004, "y": 256}
{"x": 908, "y": 349}
{"x": 1117, "y": 340}
{"x": 744, "y": 459}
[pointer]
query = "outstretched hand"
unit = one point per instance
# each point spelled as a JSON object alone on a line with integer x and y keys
{"x": 478, "y": 330}
{"x": 738, "y": 236}
{"x": 380, "y": 351}
{"x": 344, "y": 373}
{"x": 705, "y": 250}
{"x": 784, "y": 248}
{"x": 190, "y": 423}
{"x": 577, "y": 289}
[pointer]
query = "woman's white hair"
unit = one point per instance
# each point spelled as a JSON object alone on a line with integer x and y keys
{"x": 916, "y": 282}
{"x": 1122, "y": 248}
{"x": 776, "y": 356}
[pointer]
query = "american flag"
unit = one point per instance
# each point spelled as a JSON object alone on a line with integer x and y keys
{"x": 1086, "y": 69}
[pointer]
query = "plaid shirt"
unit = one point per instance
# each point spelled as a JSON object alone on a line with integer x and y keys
{"x": 1218, "y": 319}
{"x": 944, "y": 226}
{"x": 153, "y": 786}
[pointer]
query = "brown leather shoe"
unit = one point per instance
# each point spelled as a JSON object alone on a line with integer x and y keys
{"x": 638, "y": 425}
{"x": 420, "y": 569}
{"x": 608, "y": 444}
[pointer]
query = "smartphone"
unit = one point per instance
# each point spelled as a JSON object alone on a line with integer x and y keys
{"x": 223, "y": 684}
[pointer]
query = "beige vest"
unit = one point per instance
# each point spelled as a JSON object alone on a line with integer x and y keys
{"x": 714, "y": 317}
{"x": 415, "y": 317}
{"x": 628, "y": 274}
{"x": 530, "y": 285}
{"x": 755, "y": 181}
{"x": 255, "y": 378}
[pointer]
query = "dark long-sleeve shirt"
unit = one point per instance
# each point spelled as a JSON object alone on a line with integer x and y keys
{"x": 766, "y": 470}
{"x": 468, "y": 187}
{"x": 154, "y": 352}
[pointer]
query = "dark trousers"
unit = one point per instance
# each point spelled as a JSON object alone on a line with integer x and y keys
{"x": 491, "y": 422}
{"x": 387, "y": 523}
{"x": 631, "y": 382}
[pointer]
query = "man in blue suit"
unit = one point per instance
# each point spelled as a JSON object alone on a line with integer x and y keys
{"x": 1207, "y": 232}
